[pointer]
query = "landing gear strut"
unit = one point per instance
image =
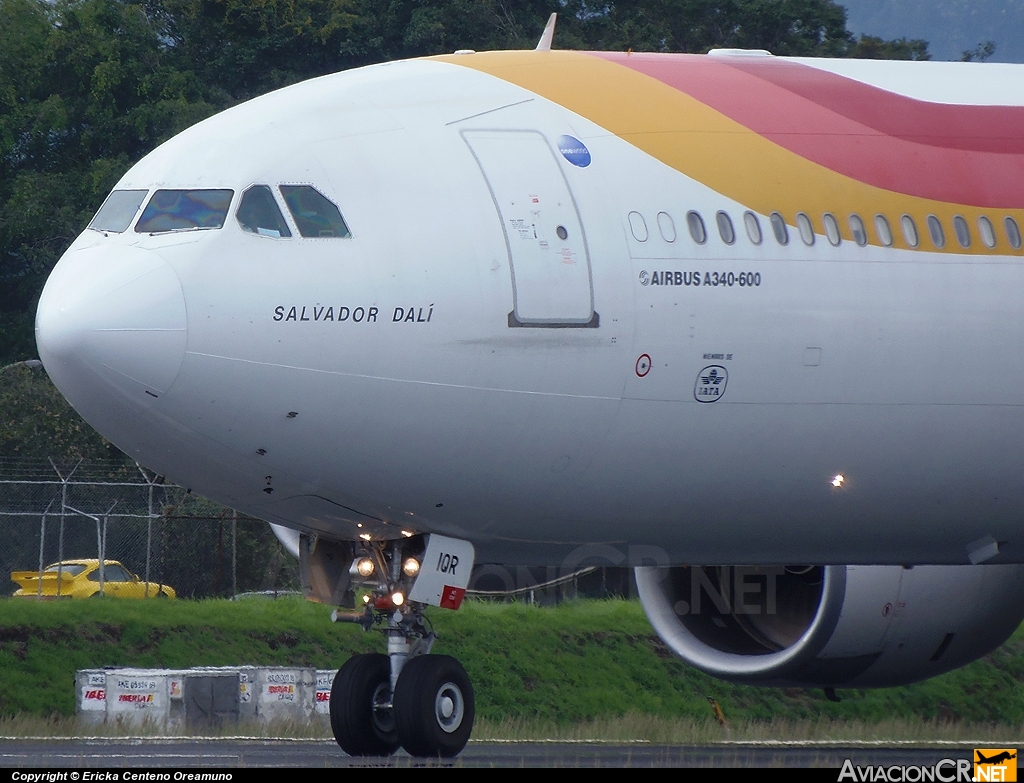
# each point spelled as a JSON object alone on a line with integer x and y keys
{"x": 409, "y": 698}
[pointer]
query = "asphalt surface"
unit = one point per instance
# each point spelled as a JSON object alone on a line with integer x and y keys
{"x": 180, "y": 753}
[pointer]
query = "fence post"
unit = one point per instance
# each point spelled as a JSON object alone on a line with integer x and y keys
{"x": 149, "y": 534}
{"x": 63, "y": 506}
{"x": 60, "y": 539}
{"x": 234, "y": 553}
{"x": 42, "y": 542}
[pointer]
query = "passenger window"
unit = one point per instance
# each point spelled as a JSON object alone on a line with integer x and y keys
{"x": 935, "y": 229}
{"x": 779, "y": 228}
{"x": 184, "y": 210}
{"x": 860, "y": 233}
{"x": 315, "y": 214}
{"x": 1012, "y": 232}
{"x": 725, "y": 229}
{"x": 909, "y": 230}
{"x": 258, "y": 213}
{"x": 987, "y": 231}
{"x": 118, "y": 211}
{"x": 962, "y": 231}
{"x": 883, "y": 230}
{"x": 638, "y": 226}
{"x": 667, "y": 227}
{"x": 753, "y": 227}
{"x": 806, "y": 228}
{"x": 696, "y": 225}
{"x": 832, "y": 229}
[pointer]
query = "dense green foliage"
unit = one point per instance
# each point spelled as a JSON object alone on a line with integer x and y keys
{"x": 89, "y": 86}
{"x": 952, "y": 27}
{"x": 577, "y": 661}
{"x": 38, "y": 423}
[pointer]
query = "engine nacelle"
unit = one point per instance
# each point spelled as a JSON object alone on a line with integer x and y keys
{"x": 832, "y": 626}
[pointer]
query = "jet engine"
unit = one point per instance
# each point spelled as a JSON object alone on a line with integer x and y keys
{"x": 832, "y": 626}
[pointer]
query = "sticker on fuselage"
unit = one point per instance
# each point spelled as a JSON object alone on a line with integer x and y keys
{"x": 643, "y": 365}
{"x": 711, "y": 383}
{"x": 574, "y": 151}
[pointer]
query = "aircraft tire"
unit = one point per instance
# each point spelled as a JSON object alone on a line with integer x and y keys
{"x": 434, "y": 706}
{"x": 358, "y": 728}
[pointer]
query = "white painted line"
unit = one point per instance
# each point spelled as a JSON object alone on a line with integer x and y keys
{"x": 841, "y": 743}
{"x": 492, "y": 741}
{"x": 163, "y": 740}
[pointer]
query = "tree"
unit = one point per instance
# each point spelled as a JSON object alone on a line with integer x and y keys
{"x": 38, "y": 423}
{"x": 979, "y": 53}
{"x": 868, "y": 47}
{"x": 87, "y": 87}
{"x": 85, "y": 90}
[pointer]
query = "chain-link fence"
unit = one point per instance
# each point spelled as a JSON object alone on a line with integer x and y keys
{"x": 112, "y": 510}
{"x": 52, "y": 512}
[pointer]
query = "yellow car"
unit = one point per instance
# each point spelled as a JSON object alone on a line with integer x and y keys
{"x": 81, "y": 579}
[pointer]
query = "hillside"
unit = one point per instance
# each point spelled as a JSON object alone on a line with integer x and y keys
{"x": 580, "y": 661}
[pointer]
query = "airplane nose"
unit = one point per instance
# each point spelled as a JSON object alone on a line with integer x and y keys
{"x": 111, "y": 319}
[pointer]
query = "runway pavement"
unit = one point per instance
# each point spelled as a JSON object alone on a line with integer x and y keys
{"x": 151, "y": 753}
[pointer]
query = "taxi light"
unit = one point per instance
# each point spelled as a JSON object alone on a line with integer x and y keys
{"x": 363, "y": 567}
{"x": 411, "y": 566}
{"x": 397, "y": 599}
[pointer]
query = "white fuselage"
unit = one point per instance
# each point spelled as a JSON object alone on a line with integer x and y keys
{"x": 901, "y": 371}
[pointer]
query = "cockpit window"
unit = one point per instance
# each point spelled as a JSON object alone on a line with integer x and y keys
{"x": 182, "y": 210}
{"x": 118, "y": 211}
{"x": 259, "y": 214}
{"x": 314, "y": 213}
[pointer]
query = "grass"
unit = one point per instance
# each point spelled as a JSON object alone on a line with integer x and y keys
{"x": 581, "y": 670}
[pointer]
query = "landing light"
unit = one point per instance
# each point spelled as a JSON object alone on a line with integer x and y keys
{"x": 838, "y": 480}
{"x": 397, "y": 598}
{"x": 364, "y": 567}
{"x": 411, "y": 566}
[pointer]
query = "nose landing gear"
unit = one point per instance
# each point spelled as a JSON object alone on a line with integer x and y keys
{"x": 409, "y": 698}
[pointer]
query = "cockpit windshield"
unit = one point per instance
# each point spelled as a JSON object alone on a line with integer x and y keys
{"x": 183, "y": 210}
{"x": 118, "y": 211}
{"x": 258, "y": 213}
{"x": 315, "y": 214}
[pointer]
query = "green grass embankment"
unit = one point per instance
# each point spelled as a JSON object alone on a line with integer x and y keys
{"x": 581, "y": 661}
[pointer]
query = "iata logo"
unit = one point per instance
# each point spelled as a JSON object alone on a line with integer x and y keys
{"x": 996, "y": 764}
{"x": 711, "y": 383}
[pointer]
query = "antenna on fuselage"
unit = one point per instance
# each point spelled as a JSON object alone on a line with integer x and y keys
{"x": 544, "y": 45}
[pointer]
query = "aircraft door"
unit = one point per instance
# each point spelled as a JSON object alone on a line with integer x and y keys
{"x": 551, "y": 277}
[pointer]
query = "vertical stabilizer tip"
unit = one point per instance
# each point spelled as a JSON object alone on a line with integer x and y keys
{"x": 544, "y": 45}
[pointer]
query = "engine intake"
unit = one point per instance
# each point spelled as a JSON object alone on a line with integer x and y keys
{"x": 832, "y": 626}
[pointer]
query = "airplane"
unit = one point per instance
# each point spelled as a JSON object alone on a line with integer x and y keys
{"x": 751, "y": 325}
{"x": 996, "y": 759}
